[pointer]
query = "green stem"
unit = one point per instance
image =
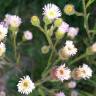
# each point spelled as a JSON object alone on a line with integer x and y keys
{"x": 48, "y": 37}
{"x": 43, "y": 80}
{"x": 51, "y": 45}
{"x": 49, "y": 61}
{"x": 78, "y": 58}
{"x": 47, "y": 71}
{"x": 16, "y": 56}
{"x": 86, "y": 19}
{"x": 14, "y": 44}
{"x": 50, "y": 91}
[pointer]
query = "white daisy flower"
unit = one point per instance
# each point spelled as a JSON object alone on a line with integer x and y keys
{"x": 3, "y": 31}
{"x": 51, "y": 11}
{"x": 70, "y": 48}
{"x": 63, "y": 73}
{"x": 25, "y": 85}
{"x": 85, "y": 71}
{"x": 64, "y": 27}
{"x": 72, "y": 32}
{"x": 13, "y": 20}
{"x": 60, "y": 94}
{"x": 2, "y": 48}
{"x": 28, "y": 35}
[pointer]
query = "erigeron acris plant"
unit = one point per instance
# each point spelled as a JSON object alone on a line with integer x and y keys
{"x": 55, "y": 29}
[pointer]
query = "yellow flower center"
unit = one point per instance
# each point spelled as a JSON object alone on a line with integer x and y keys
{"x": 61, "y": 71}
{"x": 25, "y": 84}
{"x": 69, "y": 8}
{"x": 51, "y": 13}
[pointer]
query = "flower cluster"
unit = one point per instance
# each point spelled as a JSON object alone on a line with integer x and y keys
{"x": 64, "y": 28}
{"x": 55, "y": 26}
{"x": 64, "y": 73}
{"x": 55, "y": 29}
{"x": 10, "y": 20}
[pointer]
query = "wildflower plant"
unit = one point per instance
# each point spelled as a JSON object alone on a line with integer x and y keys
{"x": 64, "y": 67}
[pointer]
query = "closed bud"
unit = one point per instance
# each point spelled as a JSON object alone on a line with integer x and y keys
{"x": 47, "y": 21}
{"x": 50, "y": 32}
{"x": 45, "y": 49}
{"x": 93, "y": 48}
{"x": 69, "y": 9}
{"x": 53, "y": 73}
{"x": 58, "y": 22}
{"x": 13, "y": 29}
{"x": 35, "y": 21}
{"x": 71, "y": 84}
{"x": 72, "y": 32}
{"x": 62, "y": 54}
{"x": 59, "y": 35}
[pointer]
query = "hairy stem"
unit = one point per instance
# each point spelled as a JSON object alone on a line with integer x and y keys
{"x": 78, "y": 58}
{"x": 86, "y": 19}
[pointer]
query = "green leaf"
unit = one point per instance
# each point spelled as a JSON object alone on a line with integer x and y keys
{"x": 41, "y": 92}
{"x": 85, "y": 93}
{"x": 89, "y": 3}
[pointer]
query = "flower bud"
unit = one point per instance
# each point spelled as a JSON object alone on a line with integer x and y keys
{"x": 45, "y": 49}
{"x": 72, "y": 32}
{"x": 58, "y": 22}
{"x": 71, "y": 84}
{"x": 50, "y": 32}
{"x": 69, "y": 9}
{"x": 76, "y": 74}
{"x": 93, "y": 48}
{"x": 28, "y": 35}
{"x": 60, "y": 94}
{"x": 13, "y": 29}
{"x": 63, "y": 28}
{"x": 46, "y": 20}
{"x": 53, "y": 73}
{"x": 35, "y": 21}
{"x": 62, "y": 54}
{"x": 59, "y": 35}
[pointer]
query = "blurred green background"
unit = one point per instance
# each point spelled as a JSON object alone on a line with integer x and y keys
{"x": 33, "y": 60}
